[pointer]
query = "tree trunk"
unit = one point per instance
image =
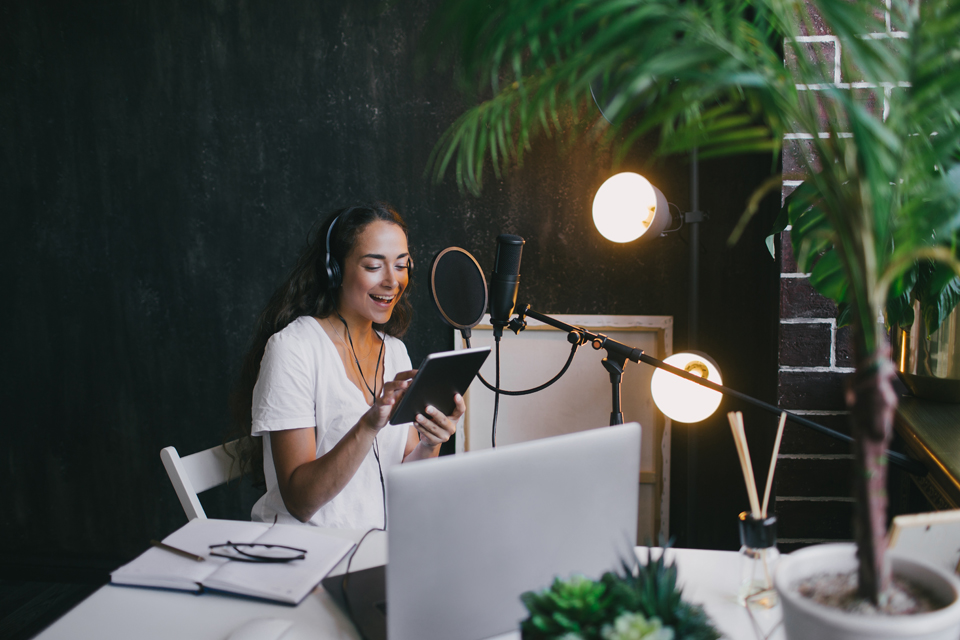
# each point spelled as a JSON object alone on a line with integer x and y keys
{"x": 872, "y": 403}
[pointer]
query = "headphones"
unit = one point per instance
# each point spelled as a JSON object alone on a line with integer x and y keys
{"x": 334, "y": 272}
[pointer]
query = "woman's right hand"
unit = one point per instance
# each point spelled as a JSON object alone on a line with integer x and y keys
{"x": 378, "y": 415}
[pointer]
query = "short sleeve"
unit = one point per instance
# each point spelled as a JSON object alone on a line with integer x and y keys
{"x": 285, "y": 394}
{"x": 400, "y": 353}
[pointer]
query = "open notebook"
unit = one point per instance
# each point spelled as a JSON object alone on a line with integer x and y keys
{"x": 288, "y": 582}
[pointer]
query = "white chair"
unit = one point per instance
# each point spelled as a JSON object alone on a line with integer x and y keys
{"x": 198, "y": 472}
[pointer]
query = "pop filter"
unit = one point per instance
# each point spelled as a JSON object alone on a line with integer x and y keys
{"x": 458, "y": 288}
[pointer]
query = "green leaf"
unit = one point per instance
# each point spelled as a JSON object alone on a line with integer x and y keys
{"x": 904, "y": 284}
{"x": 779, "y": 226}
{"x": 939, "y": 294}
{"x": 844, "y": 315}
{"x": 900, "y": 310}
{"x": 828, "y": 277}
{"x": 811, "y": 233}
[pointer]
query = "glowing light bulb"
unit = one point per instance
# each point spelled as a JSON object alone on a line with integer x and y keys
{"x": 627, "y": 206}
{"x": 680, "y": 399}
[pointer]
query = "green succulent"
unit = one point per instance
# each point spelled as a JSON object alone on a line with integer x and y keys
{"x": 575, "y": 606}
{"x": 646, "y": 598}
{"x": 633, "y": 626}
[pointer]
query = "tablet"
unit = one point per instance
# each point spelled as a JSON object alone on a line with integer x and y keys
{"x": 440, "y": 376}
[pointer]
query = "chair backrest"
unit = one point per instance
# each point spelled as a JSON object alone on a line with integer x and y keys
{"x": 198, "y": 472}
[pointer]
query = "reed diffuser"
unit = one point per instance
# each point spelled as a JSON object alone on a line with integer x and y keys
{"x": 758, "y": 531}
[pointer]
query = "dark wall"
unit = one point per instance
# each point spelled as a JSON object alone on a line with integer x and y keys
{"x": 161, "y": 163}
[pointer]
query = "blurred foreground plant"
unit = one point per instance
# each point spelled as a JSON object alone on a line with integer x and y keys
{"x": 644, "y": 604}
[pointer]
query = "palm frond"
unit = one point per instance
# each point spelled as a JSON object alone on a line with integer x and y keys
{"x": 703, "y": 74}
{"x": 711, "y": 75}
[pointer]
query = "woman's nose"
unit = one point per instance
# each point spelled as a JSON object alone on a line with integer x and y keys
{"x": 390, "y": 279}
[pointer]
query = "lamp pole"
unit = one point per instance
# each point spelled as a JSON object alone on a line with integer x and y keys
{"x": 693, "y": 218}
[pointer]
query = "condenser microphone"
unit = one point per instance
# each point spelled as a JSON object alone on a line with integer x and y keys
{"x": 505, "y": 280}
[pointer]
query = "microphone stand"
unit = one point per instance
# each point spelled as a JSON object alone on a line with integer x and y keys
{"x": 618, "y": 354}
{"x": 498, "y": 326}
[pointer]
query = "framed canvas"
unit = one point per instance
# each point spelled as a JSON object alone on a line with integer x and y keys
{"x": 580, "y": 400}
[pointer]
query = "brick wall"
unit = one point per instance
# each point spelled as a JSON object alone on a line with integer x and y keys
{"x": 813, "y": 481}
{"x": 813, "y": 502}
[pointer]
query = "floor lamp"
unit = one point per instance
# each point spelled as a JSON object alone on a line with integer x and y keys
{"x": 628, "y": 207}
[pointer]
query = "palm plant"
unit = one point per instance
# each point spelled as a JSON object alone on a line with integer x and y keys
{"x": 878, "y": 211}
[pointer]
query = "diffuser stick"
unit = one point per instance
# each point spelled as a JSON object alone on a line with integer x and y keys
{"x": 739, "y": 439}
{"x": 751, "y": 481}
{"x": 773, "y": 465}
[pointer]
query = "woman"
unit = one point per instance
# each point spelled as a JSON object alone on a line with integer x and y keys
{"x": 329, "y": 369}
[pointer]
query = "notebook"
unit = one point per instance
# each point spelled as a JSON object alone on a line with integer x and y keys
{"x": 288, "y": 582}
{"x": 468, "y": 534}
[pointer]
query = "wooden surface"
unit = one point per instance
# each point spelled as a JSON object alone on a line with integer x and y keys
{"x": 932, "y": 432}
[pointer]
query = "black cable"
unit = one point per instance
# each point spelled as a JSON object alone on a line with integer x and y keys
{"x": 343, "y": 583}
{"x": 373, "y": 395}
{"x": 575, "y": 344}
{"x": 496, "y": 397}
{"x": 383, "y": 485}
{"x": 497, "y": 389}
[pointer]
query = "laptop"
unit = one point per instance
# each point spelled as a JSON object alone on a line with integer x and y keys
{"x": 468, "y": 534}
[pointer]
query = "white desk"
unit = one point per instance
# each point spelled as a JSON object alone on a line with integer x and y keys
{"x": 708, "y": 577}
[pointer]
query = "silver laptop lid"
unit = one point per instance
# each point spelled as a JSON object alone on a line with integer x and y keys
{"x": 469, "y": 533}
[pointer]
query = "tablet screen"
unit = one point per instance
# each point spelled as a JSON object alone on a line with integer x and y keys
{"x": 439, "y": 378}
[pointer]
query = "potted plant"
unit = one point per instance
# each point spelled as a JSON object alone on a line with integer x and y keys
{"x": 641, "y": 604}
{"x": 878, "y": 205}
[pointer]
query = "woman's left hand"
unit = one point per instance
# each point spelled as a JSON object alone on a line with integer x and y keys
{"x": 434, "y": 427}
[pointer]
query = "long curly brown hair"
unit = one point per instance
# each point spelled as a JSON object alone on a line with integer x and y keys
{"x": 305, "y": 292}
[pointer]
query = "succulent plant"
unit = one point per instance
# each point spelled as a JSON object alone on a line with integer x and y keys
{"x": 636, "y": 603}
{"x": 634, "y": 626}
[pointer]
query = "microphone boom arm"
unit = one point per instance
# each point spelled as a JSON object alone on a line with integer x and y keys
{"x": 621, "y": 353}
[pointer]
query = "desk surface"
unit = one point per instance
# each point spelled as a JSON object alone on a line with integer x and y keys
{"x": 708, "y": 578}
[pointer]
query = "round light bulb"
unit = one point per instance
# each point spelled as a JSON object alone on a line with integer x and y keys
{"x": 680, "y": 399}
{"x": 627, "y": 206}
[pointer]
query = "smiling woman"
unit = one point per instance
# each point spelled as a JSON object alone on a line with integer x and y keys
{"x": 325, "y": 372}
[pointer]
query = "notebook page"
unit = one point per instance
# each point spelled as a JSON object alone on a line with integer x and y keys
{"x": 285, "y": 582}
{"x": 161, "y": 568}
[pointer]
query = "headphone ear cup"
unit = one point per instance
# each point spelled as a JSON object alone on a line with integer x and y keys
{"x": 334, "y": 277}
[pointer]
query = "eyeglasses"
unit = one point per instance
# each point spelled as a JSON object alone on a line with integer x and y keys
{"x": 257, "y": 552}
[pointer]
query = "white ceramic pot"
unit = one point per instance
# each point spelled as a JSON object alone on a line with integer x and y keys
{"x": 803, "y": 619}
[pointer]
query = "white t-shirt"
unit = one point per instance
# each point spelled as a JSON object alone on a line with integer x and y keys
{"x": 303, "y": 383}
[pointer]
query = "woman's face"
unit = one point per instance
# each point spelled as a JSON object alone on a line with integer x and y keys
{"x": 374, "y": 273}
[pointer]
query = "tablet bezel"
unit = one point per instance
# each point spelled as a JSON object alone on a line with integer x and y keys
{"x": 431, "y": 382}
